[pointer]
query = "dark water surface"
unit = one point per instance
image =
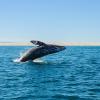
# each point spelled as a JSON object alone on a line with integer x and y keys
{"x": 73, "y": 74}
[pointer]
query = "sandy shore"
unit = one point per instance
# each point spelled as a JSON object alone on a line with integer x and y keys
{"x": 30, "y": 44}
{"x": 15, "y": 44}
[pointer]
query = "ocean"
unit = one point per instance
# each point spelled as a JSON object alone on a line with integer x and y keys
{"x": 72, "y": 74}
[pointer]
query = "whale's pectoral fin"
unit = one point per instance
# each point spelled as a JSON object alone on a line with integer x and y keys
{"x": 39, "y": 43}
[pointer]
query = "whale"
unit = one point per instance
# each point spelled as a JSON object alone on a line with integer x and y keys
{"x": 41, "y": 49}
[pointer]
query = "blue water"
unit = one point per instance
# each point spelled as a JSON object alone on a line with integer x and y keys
{"x": 73, "y": 74}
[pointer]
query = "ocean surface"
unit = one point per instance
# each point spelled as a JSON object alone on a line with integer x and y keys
{"x": 73, "y": 74}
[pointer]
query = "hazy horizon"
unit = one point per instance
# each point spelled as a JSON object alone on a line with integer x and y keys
{"x": 50, "y": 20}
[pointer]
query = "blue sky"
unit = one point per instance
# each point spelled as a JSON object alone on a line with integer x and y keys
{"x": 50, "y": 20}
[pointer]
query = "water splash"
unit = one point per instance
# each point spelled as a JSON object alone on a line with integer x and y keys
{"x": 40, "y": 61}
{"x": 16, "y": 60}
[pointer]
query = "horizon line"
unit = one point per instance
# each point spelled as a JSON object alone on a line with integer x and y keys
{"x": 56, "y": 43}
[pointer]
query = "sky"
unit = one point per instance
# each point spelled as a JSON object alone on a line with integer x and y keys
{"x": 50, "y": 20}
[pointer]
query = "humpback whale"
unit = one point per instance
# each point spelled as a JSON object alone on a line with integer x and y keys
{"x": 41, "y": 49}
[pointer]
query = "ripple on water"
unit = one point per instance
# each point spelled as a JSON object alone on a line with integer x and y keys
{"x": 73, "y": 74}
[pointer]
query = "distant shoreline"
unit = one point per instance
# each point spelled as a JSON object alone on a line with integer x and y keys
{"x": 15, "y": 44}
{"x": 30, "y": 44}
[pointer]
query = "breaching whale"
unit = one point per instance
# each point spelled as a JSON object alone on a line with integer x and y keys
{"x": 42, "y": 49}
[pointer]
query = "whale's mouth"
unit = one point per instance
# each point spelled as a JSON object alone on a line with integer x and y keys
{"x": 38, "y": 43}
{"x": 34, "y": 42}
